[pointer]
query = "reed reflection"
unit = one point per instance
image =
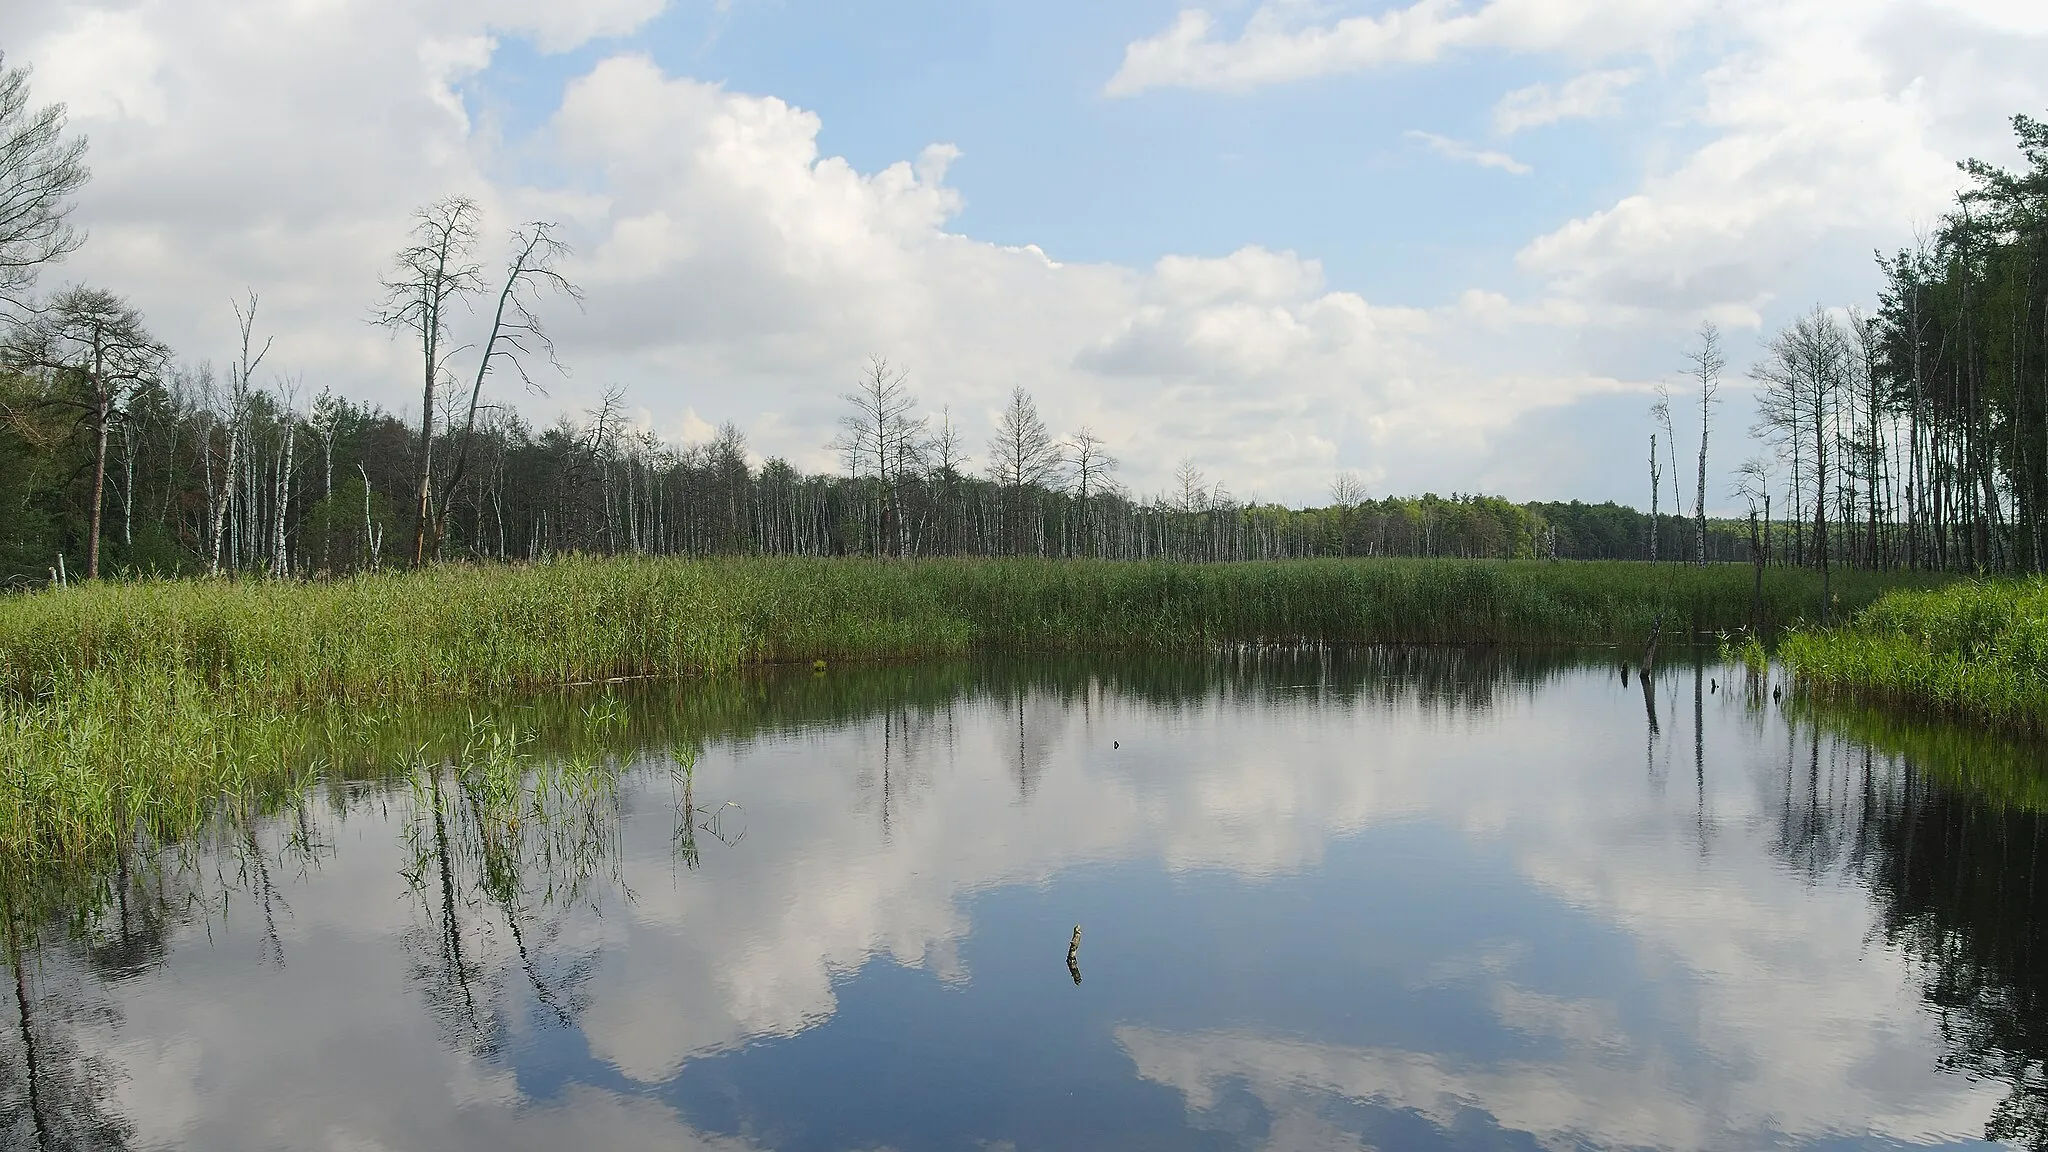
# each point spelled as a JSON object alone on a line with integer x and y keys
{"x": 523, "y": 896}
{"x": 1950, "y": 852}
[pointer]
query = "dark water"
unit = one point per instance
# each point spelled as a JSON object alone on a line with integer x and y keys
{"x": 1432, "y": 900}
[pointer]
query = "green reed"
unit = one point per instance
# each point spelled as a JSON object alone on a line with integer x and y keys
{"x": 1976, "y": 650}
{"x": 454, "y": 630}
{"x": 131, "y": 711}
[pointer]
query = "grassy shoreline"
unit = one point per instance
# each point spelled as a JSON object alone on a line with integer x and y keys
{"x": 453, "y": 630}
{"x": 133, "y": 710}
{"x": 1975, "y": 650}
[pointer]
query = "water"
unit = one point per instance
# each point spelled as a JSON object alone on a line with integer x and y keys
{"x": 1434, "y": 900}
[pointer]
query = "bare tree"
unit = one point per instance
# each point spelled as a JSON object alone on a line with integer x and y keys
{"x": 430, "y": 274}
{"x": 1090, "y": 461}
{"x": 240, "y": 373}
{"x": 1346, "y": 492}
{"x": 1022, "y": 455}
{"x": 946, "y": 452}
{"x": 1869, "y": 379}
{"x": 515, "y": 331}
{"x": 1804, "y": 368}
{"x": 1092, "y": 465}
{"x": 1655, "y": 475}
{"x": 1661, "y": 413}
{"x": 40, "y": 170}
{"x": 97, "y": 337}
{"x": 1190, "y": 488}
{"x": 1753, "y": 486}
{"x": 880, "y": 440}
{"x": 1707, "y": 363}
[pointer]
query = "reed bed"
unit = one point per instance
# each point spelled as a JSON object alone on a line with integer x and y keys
{"x": 457, "y": 630}
{"x": 132, "y": 711}
{"x": 1976, "y": 650}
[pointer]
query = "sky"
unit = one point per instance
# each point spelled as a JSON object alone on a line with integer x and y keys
{"x": 1438, "y": 246}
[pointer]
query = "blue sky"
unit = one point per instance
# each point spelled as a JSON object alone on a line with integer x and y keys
{"x": 1048, "y": 158}
{"x": 1438, "y": 245}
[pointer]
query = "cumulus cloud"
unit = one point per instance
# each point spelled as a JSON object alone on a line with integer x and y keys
{"x": 1829, "y": 130}
{"x": 1458, "y": 150}
{"x": 1826, "y": 127}
{"x": 734, "y": 270}
{"x": 1593, "y": 94}
{"x": 1281, "y": 42}
{"x": 738, "y": 272}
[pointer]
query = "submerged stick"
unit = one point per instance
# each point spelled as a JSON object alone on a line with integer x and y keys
{"x": 1650, "y": 653}
{"x": 1074, "y": 955}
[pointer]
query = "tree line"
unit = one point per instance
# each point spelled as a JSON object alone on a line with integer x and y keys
{"x": 118, "y": 456}
{"x": 1914, "y": 434}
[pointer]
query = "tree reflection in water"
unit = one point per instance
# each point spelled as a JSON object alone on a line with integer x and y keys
{"x": 512, "y": 821}
{"x": 1955, "y": 873}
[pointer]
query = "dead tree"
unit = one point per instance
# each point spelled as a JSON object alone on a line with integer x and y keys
{"x": 1092, "y": 464}
{"x": 516, "y": 333}
{"x": 239, "y": 375}
{"x": 1022, "y": 455}
{"x": 431, "y": 273}
{"x": 1707, "y": 363}
{"x": 879, "y": 439}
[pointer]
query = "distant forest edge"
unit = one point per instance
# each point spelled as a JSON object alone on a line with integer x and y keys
{"x": 1914, "y": 436}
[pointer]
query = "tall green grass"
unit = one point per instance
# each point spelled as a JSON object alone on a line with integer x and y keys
{"x": 454, "y": 630}
{"x": 134, "y": 710}
{"x": 1976, "y": 650}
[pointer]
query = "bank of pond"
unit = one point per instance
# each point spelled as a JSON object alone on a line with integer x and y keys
{"x": 1408, "y": 895}
{"x": 138, "y": 709}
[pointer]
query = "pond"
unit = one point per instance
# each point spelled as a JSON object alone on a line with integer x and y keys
{"x": 1383, "y": 899}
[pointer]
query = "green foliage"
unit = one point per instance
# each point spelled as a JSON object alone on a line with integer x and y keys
{"x": 1976, "y": 649}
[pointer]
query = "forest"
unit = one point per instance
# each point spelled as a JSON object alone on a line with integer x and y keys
{"x": 1913, "y": 435}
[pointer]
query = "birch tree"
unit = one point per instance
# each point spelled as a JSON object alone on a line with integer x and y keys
{"x": 1021, "y": 455}
{"x": 240, "y": 375}
{"x": 1707, "y": 363}
{"x": 1802, "y": 373}
{"x": 882, "y": 441}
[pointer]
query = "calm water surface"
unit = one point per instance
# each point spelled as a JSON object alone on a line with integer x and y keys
{"x": 1432, "y": 900}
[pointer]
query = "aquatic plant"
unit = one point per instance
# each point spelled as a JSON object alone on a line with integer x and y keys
{"x": 455, "y": 630}
{"x": 131, "y": 712}
{"x": 1976, "y": 650}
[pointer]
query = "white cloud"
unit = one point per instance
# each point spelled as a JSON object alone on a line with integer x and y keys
{"x": 558, "y": 27}
{"x": 1593, "y": 94}
{"x": 1458, "y": 150}
{"x": 738, "y": 272}
{"x": 1276, "y": 47}
{"x": 734, "y": 271}
{"x": 1829, "y": 130}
